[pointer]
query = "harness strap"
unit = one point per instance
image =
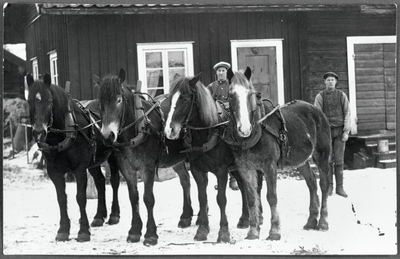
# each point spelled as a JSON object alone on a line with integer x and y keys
{"x": 206, "y": 146}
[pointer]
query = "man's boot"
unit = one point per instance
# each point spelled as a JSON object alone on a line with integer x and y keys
{"x": 339, "y": 181}
{"x": 330, "y": 179}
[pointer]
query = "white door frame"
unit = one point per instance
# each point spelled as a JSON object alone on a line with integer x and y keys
{"x": 351, "y": 41}
{"x": 278, "y": 44}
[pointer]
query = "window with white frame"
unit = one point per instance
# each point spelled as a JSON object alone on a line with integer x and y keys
{"x": 159, "y": 64}
{"x": 53, "y": 67}
{"x": 35, "y": 68}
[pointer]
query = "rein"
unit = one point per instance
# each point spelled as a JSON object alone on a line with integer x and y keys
{"x": 187, "y": 138}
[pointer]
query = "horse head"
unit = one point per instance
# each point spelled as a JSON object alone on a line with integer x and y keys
{"x": 40, "y": 106}
{"x": 242, "y": 101}
{"x": 190, "y": 102}
{"x": 112, "y": 106}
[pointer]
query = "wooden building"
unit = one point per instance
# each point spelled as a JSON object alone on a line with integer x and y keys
{"x": 289, "y": 47}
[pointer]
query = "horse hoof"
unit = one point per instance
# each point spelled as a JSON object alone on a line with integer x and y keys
{"x": 274, "y": 237}
{"x": 243, "y": 223}
{"x": 312, "y": 224}
{"x": 184, "y": 223}
{"x": 62, "y": 237}
{"x": 113, "y": 220}
{"x": 224, "y": 237}
{"x": 202, "y": 233}
{"x": 97, "y": 222}
{"x": 83, "y": 237}
{"x": 150, "y": 241}
{"x": 252, "y": 237}
{"x": 323, "y": 226}
{"x": 133, "y": 238}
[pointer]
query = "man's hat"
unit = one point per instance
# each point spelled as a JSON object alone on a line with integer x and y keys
{"x": 222, "y": 64}
{"x": 331, "y": 74}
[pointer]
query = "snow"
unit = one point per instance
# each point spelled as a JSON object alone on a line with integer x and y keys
{"x": 362, "y": 224}
{"x": 17, "y": 49}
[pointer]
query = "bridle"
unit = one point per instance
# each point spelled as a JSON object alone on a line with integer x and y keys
{"x": 142, "y": 121}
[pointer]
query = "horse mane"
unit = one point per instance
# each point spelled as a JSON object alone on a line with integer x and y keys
{"x": 240, "y": 79}
{"x": 205, "y": 102}
{"x": 109, "y": 88}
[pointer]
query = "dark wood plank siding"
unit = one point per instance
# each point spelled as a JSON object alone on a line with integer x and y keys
{"x": 44, "y": 35}
{"x": 102, "y": 44}
{"x": 327, "y": 50}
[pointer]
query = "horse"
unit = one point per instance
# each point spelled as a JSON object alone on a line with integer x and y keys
{"x": 194, "y": 118}
{"x": 70, "y": 142}
{"x": 284, "y": 137}
{"x": 133, "y": 127}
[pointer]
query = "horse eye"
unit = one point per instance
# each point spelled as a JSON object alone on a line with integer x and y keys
{"x": 119, "y": 100}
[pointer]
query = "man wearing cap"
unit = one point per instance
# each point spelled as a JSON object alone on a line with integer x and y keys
{"x": 219, "y": 90}
{"x": 335, "y": 105}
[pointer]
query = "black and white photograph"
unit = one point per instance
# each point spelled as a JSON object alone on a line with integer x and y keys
{"x": 200, "y": 128}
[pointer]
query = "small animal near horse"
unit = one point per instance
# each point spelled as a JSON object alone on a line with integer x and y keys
{"x": 193, "y": 118}
{"x": 133, "y": 127}
{"x": 289, "y": 137}
{"x": 71, "y": 143}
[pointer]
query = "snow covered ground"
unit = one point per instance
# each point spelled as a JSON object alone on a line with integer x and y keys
{"x": 363, "y": 224}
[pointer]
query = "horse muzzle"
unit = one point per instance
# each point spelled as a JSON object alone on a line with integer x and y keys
{"x": 109, "y": 136}
{"x": 172, "y": 133}
{"x": 244, "y": 131}
{"x": 39, "y": 135}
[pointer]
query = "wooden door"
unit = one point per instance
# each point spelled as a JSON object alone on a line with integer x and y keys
{"x": 262, "y": 61}
{"x": 375, "y": 86}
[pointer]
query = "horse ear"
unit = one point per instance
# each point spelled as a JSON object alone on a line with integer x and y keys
{"x": 195, "y": 79}
{"x": 121, "y": 75}
{"x": 229, "y": 75}
{"x": 96, "y": 79}
{"x": 47, "y": 80}
{"x": 247, "y": 73}
{"x": 29, "y": 79}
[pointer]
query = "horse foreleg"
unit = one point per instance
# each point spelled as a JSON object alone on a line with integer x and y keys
{"x": 151, "y": 237}
{"x": 271, "y": 178}
{"x": 130, "y": 175}
{"x": 244, "y": 218}
{"x": 250, "y": 183}
{"x": 81, "y": 184}
{"x": 202, "y": 219}
{"x": 311, "y": 181}
{"x": 184, "y": 178}
{"x": 100, "y": 182}
{"x": 222, "y": 178}
{"x": 115, "y": 180}
{"x": 59, "y": 183}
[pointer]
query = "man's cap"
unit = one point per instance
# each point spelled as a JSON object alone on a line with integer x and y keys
{"x": 331, "y": 74}
{"x": 222, "y": 64}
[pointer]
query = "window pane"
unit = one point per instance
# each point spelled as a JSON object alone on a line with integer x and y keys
{"x": 176, "y": 73}
{"x": 176, "y": 59}
{"x": 154, "y": 78}
{"x": 154, "y": 93}
{"x": 153, "y": 60}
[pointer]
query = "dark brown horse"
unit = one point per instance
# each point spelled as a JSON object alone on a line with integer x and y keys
{"x": 70, "y": 142}
{"x": 284, "y": 137}
{"x": 134, "y": 127}
{"x": 194, "y": 118}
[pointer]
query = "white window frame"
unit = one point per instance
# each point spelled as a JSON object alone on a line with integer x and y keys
{"x": 164, "y": 47}
{"x": 53, "y": 67}
{"x": 278, "y": 44}
{"x": 351, "y": 41}
{"x": 35, "y": 68}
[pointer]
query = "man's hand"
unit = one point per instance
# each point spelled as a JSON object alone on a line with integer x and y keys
{"x": 345, "y": 136}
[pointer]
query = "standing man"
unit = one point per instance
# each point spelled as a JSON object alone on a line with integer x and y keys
{"x": 219, "y": 90}
{"x": 335, "y": 105}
